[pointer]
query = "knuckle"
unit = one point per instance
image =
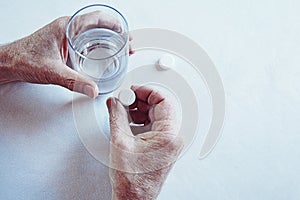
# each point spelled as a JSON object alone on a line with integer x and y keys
{"x": 62, "y": 20}
{"x": 69, "y": 83}
{"x": 60, "y": 23}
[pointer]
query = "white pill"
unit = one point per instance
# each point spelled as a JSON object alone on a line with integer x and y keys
{"x": 166, "y": 62}
{"x": 127, "y": 97}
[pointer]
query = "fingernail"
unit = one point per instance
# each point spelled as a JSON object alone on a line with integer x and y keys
{"x": 89, "y": 91}
{"x": 134, "y": 87}
{"x": 110, "y": 102}
{"x": 96, "y": 91}
{"x": 118, "y": 28}
{"x": 131, "y": 52}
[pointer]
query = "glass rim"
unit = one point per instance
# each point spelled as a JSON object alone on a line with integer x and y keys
{"x": 96, "y": 5}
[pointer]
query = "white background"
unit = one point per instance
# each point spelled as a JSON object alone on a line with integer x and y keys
{"x": 255, "y": 47}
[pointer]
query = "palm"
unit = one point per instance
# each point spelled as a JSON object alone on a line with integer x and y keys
{"x": 143, "y": 155}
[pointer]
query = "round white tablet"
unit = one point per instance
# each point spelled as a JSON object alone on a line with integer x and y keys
{"x": 127, "y": 97}
{"x": 166, "y": 62}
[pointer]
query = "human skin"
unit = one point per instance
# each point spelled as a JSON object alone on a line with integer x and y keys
{"x": 42, "y": 56}
{"x": 140, "y": 160}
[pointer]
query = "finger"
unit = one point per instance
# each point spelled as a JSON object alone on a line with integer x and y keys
{"x": 134, "y": 104}
{"x": 131, "y": 51}
{"x": 107, "y": 21}
{"x": 164, "y": 118}
{"x": 162, "y": 112}
{"x": 140, "y": 105}
{"x": 98, "y": 19}
{"x": 74, "y": 81}
{"x": 119, "y": 126}
{"x": 143, "y": 106}
{"x": 138, "y": 117}
{"x": 140, "y": 129}
{"x": 147, "y": 94}
{"x": 165, "y": 110}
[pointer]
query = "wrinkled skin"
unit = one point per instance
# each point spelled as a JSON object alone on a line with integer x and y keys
{"x": 141, "y": 157}
{"x": 42, "y": 56}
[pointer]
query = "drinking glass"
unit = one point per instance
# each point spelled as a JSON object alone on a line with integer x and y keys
{"x": 98, "y": 45}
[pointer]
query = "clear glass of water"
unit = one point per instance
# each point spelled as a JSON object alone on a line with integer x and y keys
{"x": 98, "y": 40}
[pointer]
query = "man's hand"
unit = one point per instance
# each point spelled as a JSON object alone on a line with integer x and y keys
{"x": 42, "y": 56}
{"x": 142, "y": 156}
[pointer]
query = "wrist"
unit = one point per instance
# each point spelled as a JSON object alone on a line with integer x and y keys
{"x": 132, "y": 194}
{"x": 5, "y": 57}
{"x": 141, "y": 186}
{"x": 9, "y": 71}
{"x": 5, "y": 63}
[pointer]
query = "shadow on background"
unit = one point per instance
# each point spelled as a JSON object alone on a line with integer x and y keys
{"x": 41, "y": 154}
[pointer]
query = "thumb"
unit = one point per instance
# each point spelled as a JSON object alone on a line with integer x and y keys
{"x": 120, "y": 131}
{"x": 74, "y": 81}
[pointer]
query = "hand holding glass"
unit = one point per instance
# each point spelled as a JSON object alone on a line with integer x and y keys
{"x": 98, "y": 45}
